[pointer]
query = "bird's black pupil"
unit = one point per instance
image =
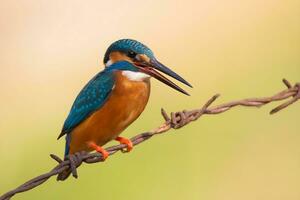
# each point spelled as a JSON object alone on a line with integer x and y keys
{"x": 131, "y": 54}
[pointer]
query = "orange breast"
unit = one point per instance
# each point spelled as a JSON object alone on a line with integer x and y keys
{"x": 126, "y": 102}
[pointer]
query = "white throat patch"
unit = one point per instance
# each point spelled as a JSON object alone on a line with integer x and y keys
{"x": 135, "y": 76}
{"x": 108, "y": 63}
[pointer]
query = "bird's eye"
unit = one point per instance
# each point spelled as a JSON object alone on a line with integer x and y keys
{"x": 131, "y": 54}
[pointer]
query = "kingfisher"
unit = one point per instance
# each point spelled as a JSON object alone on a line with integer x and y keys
{"x": 114, "y": 98}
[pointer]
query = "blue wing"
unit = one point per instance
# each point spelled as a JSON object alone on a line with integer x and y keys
{"x": 90, "y": 98}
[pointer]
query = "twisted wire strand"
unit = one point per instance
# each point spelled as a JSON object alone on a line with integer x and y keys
{"x": 176, "y": 120}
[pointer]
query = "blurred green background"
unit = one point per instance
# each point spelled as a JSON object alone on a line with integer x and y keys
{"x": 50, "y": 49}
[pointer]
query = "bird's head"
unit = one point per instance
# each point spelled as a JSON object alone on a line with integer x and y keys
{"x": 143, "y": 61}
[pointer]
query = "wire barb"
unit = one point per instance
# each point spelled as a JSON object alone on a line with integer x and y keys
{"x": 175, "y": 121}
{"x": 295, "y": 98}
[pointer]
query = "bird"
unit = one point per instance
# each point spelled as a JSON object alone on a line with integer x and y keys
{"x": 114, "y": 98}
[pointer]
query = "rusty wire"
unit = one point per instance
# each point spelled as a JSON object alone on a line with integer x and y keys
{"x": 175, "y": 121}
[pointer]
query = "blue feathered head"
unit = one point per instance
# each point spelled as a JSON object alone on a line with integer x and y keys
{"x": 141, "y": 59}
{"x": 128, "y": 46}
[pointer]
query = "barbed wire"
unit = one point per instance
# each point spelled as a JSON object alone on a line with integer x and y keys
{"x": 176, "y": 120}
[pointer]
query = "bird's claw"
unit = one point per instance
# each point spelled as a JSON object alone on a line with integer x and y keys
{"x": 126, "y": 141}
{"x": 99, "y": 149}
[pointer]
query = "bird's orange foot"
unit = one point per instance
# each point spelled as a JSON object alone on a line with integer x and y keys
{"x": 99, "y": 149}
{"x": 126, "y": 141}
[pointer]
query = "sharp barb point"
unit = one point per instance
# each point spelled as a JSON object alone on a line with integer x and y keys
{"x": 287, "y": 83}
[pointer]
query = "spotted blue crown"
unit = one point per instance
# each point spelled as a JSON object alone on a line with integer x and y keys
{"x": 127, "y": 45}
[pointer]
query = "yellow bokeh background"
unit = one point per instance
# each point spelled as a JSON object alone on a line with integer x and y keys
{"x": 50, "y": 49}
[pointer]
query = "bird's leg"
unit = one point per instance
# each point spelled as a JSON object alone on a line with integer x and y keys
{"x": 99, "y": 149}
{"x": 126, "y": 141}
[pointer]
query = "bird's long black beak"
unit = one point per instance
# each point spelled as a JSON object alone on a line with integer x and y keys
{"x": 150, "y": 67}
